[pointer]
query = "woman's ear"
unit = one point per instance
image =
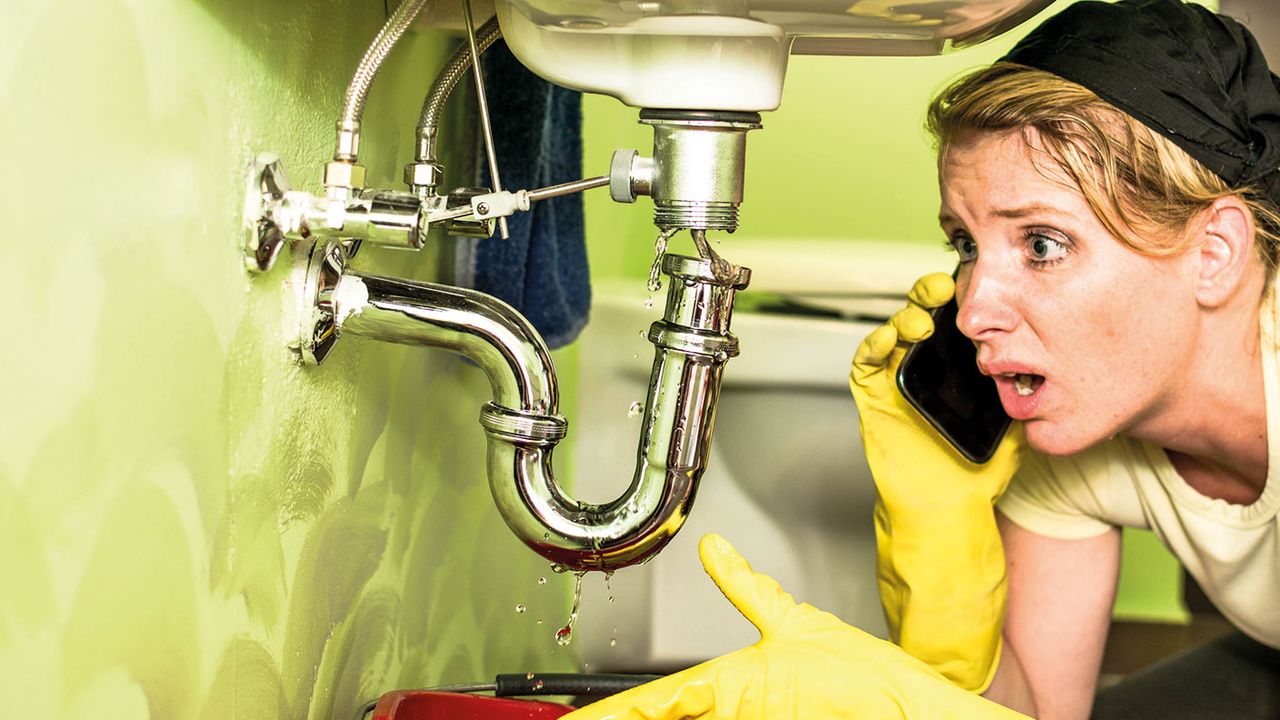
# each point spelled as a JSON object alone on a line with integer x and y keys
{"x": 1226, "y": 249}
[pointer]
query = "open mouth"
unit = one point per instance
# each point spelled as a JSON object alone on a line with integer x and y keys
{"x": 1025, "y": 383}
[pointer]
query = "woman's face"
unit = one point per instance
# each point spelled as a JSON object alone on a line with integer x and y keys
{"x": 1085, "y": 337}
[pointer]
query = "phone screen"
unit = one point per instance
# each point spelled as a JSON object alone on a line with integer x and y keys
{"x": 939, "y": 376}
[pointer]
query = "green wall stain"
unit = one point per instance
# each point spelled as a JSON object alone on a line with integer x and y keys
{"x": 23, "y": 554}
{"x": 246, "y": 685}
{"x": 247, "y": 559}
{"x": 359, "y": 653}
{"x": 341, "y": 552}
{"x": 135, "y": 606}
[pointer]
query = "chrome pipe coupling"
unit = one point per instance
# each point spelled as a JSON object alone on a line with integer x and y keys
{"x": 699, "y": 298}
{"x": 699, "y": 305}
{"x": 693, "y": 342}
{"x": 523, "y": 427}
{"x": 344, "y": 176}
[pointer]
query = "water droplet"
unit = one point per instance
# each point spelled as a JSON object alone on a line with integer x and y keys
{"x": 648, "y": 303}
{"x": 539, "y": 621}
{"x": 635, "y": 409}
{"x": 546, "y": 536}
{"x": 613, "y": 642}
{"x": 558, "y": 568}
{"x": 528, "y": 676}
{"x": 537, "y": 685}
{"x": 659, "y": 249}
{"x": 520, "y": 607}
{"x": 564, "y": 635}
{"x": 542, "y": 581}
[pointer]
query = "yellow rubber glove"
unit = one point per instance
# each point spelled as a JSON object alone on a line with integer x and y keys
{"x": 940, "y": 563}
{"x": 807, "y": 665}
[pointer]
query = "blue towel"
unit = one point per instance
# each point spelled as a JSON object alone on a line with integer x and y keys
{"x": 542, "y": 269}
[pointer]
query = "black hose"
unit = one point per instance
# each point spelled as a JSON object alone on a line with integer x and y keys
{"x": 584, "y": 687}
{"x": 366, "y": 709}
{"x": 591, "y": 685}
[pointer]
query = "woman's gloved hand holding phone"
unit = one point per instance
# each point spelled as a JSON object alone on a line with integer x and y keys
{"x": 807, "y": 665}
{"x": 940, "y": 562}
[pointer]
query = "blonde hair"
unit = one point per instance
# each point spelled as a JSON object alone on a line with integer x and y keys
{"x": 1141, "y": 186}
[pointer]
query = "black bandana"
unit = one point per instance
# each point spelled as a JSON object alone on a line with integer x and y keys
{"x": 1195, "y": 77}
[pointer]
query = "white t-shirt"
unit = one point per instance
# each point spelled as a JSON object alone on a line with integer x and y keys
{"x": 1233, "y": 551}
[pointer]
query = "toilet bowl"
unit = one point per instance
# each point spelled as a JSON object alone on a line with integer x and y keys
{"x": 786, "y": 483}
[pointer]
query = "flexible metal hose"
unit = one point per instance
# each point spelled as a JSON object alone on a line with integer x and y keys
{"x": 447, "y": 80}
{"x": 371, "y": 63}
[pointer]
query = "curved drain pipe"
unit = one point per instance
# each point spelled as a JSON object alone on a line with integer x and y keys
{"x": 692, "y": 344}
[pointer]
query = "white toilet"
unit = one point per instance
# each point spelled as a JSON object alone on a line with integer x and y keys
{"x": 787, "y": 483}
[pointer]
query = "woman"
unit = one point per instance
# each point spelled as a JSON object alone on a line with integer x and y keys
{"x": 1117, "y": 245}
{"x": 1110, "y": 189}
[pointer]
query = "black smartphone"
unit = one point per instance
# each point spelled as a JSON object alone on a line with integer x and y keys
{"x": 939, "y": 376}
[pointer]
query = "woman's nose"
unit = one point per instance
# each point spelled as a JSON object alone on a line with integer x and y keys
{"x": 986, "y": 305}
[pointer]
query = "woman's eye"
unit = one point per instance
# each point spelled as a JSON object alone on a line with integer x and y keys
{"x": 1044, "y": 248}
{"x": 965, "y": 247}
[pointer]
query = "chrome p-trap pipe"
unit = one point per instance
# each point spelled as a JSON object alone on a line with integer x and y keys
{"x": 692, "y": 344}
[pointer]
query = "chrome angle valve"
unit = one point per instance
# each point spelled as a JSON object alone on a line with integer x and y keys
{"x": 275, "y": 214}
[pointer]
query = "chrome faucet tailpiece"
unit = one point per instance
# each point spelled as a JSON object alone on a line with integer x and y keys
{"x": 696, "y": 172}
{"x": 692, "y": 344}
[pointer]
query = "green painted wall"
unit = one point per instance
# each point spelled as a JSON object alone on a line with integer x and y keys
{"x": 191, "y": 525}
{"x": 845, "y": 156}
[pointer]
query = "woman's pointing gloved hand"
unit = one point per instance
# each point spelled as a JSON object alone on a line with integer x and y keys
{"x": 940, "y": 562}
{"x": 807, "y": 664}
